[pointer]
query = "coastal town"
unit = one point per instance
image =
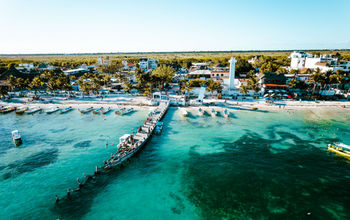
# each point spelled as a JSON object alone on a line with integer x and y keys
{"x": 301, "y": 77}
{"x": 176, "y": 110}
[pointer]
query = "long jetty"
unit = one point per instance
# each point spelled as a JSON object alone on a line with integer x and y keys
{"x": 129, "y": 147}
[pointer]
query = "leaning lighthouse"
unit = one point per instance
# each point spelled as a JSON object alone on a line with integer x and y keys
{"x": 231, "y": 84}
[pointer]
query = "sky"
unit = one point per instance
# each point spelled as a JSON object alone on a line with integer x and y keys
{"x": 104, "y": 26}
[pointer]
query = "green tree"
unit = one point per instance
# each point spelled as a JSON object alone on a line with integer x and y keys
{"x": 36, "y": 84}
{"x": 163, "y": 74}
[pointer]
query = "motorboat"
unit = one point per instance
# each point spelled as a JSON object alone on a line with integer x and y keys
{"x": 7, "y": 110}
{"x": 119, "y": 110}
{"x": 98, "y": 110}
{"x": 183, "y": 112}
{"x": 200, "y": 112}
{"x": 226, "y": 113}
{"x": 213, "y": 112}
{"x": 105, "y": 111}
{"x": 83, "y": 111}
{"x": 16, "y": 137}
{"x": 33, "y": 110}
{"x": 52, "y": 110}
{"x": 340, "y": 149}
{"x": 22, "y": 110}
{"x": 159, "y": 128}
{"x": 66, "y": 110}
{"x": 127, "y": 111}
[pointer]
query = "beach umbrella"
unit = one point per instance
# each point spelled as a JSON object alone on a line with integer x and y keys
{"x": 273, "y": 94}
{"x": 283, "y": 90}
{"x": 285, "y": 95}
{"x": 266, "y": 95}
{"x": 270, "y": 91}
{"x": 289, "y": 96}
{"x": 267, "y": 98}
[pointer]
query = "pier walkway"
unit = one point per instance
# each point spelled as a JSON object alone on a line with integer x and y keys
{"x": 125, "y": 150}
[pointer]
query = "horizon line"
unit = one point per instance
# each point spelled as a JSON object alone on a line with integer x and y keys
{"x": 168, "y": 52}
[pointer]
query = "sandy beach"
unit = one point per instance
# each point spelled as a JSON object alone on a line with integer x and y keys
{"x": 141, "y": 102}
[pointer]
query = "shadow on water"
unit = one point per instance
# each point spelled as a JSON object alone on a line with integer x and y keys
{"x": 249, "y": 181}
{"x": 30, "y": 163}
{"x": 82, "y": 144}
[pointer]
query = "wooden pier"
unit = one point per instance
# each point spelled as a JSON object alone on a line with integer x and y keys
{"x": 129, "y": 147}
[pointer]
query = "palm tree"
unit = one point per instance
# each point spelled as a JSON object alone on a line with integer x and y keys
{"x": 243, "y": 89}
{"x": 36, "y": 84}
{"x": 213, "y": 86}
{"x": 3, "y": 91}
{"x": 292, "y": 83}
{"x": 12, "y": 81}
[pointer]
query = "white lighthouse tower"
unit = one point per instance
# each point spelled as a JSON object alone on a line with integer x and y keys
{"x": 231, "y": 85}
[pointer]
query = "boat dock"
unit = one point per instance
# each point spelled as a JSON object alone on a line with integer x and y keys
{"x": 129, "y": 145}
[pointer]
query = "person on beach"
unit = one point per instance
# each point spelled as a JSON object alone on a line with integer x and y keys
{"x": 57, "y": 199}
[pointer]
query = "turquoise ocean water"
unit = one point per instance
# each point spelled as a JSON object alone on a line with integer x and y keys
{"x": 253, "y": 165}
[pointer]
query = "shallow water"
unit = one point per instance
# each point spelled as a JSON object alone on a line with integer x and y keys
{"x": 252, "y": 165}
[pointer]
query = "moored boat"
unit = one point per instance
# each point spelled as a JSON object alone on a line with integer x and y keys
{"x": 183, "y": 112}
{"x": 200, "y": 112}
{"x": 119, "y": 110}
{"x": 33, "y": 110}
{"x": 52, "y": 110}
{"x": 66, "y": 110}
{"x": 98, "y": 110}
{"x": 7, "y": 110}
{"x": 340, "y": 149}
{"x": 16, "y": 137}
{"x": 213, "y": 112}
{"x": 22, "y": 110}
{"x": 127, "y": 111}
{"x": 159, "y": 128}
{"x": 83, "y": 111}
{"x": 226, "y": 113}
{"x": 105, "y": 111}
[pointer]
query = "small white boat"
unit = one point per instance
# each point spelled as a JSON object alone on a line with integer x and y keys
{"x": 127, "y": 111}
{"x": 105, "y": 111}
{"x": 52, "y": 110}
{"x": 226, "y": 113}
{"x": 200, "y": 112}
{"x": 83, "y": 111}
{"x": 119, "y": 110}
{"x": 16, "y": 137}
{"x": 7, "y": 109}
{"x": 183, "y": 112}
{"x": 213, "y": 112}
{"x": 97, "y": 111}
{"x": 33, "y": 110}
{"x": 21, "y": 110}
{"x": 66, "y": 110}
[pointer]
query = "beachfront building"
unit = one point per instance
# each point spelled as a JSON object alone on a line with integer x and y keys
{"x": 147, "y": 63}
{"x": 300, "y": 60}
{"x": 269, "y": 81}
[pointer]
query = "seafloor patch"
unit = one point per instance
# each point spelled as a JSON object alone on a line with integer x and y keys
{"x": 248, "y": 181}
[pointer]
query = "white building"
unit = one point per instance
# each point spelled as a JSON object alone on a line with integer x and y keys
{"x": 25, "y": 66}
{"x": 102, "y": 62}
{"x": 300, "y": 60}
{"x": 146, "y": 63}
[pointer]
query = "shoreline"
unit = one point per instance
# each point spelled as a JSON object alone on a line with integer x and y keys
{"x": 141, "y": 102}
